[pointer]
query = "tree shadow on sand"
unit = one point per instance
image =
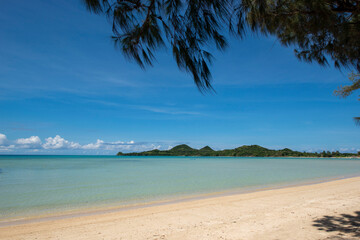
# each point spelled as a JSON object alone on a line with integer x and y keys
{"x": 344, "y": 225}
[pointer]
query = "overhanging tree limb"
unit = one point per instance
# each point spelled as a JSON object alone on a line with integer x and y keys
{"x": 322, "y": 31}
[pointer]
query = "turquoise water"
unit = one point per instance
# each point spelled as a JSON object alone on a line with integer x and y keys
{"x": 36, "y": 185}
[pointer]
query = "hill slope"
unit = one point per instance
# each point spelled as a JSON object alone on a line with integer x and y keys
{"x": 243, "y": 151}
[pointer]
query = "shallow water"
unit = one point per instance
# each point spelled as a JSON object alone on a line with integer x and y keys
{"x": 35, "y": 185}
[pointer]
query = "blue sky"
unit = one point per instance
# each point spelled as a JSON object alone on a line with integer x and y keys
{"x": 64, "y": 89}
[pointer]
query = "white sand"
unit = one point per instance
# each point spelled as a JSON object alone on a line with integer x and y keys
{"x": 288, "y": 213}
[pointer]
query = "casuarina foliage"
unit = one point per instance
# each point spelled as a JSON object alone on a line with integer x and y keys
{"x": 322, "y": 31}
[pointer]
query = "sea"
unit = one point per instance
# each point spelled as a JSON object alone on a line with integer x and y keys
{"x": 49, "y": 185}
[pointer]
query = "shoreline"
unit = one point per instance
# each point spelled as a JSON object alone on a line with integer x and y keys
{"x": 91, "y": 155}
{"x": 353, "y": 157}
{"x": 114, "y": 208}
{"x": 298, "y": 212}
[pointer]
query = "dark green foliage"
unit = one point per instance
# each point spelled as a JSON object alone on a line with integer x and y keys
{"x": 205, "y": 151}
{"x": 182, "y": 150}
{"x": 321, "y": 31}
{"x": 345, "y": 91}
{"x": 244, "y": 151}
{"x": 141, "y": 27}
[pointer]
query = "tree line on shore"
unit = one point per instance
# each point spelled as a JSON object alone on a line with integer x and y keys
{"x": 243, "y": 151}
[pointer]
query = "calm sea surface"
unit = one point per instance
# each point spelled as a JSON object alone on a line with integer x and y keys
{"x": 36, "y": 185}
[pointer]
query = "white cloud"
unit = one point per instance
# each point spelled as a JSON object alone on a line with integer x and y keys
{"x": 96, "y": 145}
{"x": 3, "y": 140}
{"x": 349, "y": 149}
{"x": 7, "y": 148}
{"x": 32, "y": 142}
{"x": 120, "y": 146}
{"x": 5, "y": 145}
{"x": 58, "y": 142}
{"x": 35, "y": 144}
{"x": 139, "y": 147}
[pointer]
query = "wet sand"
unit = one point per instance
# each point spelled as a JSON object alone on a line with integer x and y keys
{"x": 319, "y": 211}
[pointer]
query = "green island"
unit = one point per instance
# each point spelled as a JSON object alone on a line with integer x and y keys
{"x": 243, "y": 151}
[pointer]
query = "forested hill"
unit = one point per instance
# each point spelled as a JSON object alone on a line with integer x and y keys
{"x": 243, "y": 151}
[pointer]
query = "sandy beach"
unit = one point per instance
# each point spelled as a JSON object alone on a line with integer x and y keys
{"x": 329, "y": 210}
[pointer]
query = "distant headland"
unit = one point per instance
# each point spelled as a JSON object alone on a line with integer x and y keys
{"x": 243, "y": 151}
